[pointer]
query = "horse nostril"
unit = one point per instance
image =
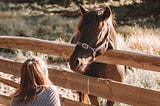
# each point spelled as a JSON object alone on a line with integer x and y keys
{"x": 77, "y": 62}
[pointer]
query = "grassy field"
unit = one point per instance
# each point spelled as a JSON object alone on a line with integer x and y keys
{"x": 41, "y": 21}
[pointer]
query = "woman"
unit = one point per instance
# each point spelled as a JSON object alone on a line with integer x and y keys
{"x": 35, "y": 87}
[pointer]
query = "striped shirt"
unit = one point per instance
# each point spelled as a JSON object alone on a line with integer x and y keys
{"x": 47, "y": 97}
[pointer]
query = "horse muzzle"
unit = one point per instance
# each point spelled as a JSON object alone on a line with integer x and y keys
{"x": 78, "y": 64}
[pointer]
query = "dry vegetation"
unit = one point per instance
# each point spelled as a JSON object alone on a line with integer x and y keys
{"x": 39, "y": 21}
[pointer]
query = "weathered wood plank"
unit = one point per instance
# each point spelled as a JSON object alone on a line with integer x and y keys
{"x": 9, "y": 82}
{"x": 103, "y": 88}
{"x": 36, "y": 45}
{"x": 106, "y": 88}
{"x": 10, "y": 66}
{"x": 5, "y": 100}
{"x": 138, "y": 60}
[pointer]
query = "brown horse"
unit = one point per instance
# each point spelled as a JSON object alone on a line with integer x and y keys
{"x": 94, "y": 35}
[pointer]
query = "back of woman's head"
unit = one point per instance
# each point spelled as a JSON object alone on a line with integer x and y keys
{"x": 34, "y": 73}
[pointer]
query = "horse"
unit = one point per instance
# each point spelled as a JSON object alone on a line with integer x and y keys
{"x": 94, "y": 35}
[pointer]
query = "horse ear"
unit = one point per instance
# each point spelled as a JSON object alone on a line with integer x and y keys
{"x": 106, "y": 14}
{"x": 83, "y": 10}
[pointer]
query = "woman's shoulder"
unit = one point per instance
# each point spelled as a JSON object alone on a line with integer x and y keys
{"x": 50, "y": 89}
{"x": 52, "y": 95}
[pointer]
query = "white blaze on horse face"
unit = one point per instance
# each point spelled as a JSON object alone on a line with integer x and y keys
{"x": 83, "y": 62}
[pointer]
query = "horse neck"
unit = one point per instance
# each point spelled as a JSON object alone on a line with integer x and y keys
{"x": 113, "y": 33}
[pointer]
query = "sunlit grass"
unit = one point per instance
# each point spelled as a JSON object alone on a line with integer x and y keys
{"x": 137, "y": 39}
{"x": 49, "y": 27}
{"x": 140, "y": 40}
{"x": 19, "y": 20}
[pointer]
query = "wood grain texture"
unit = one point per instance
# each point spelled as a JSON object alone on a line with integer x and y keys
{"x": 5, "y": 100}
{"x": 9, "y": 82}
{"x": 138, "y": 60}
{"x": 99, "y": 87}
{"x": 36, "y": 45}
{"x": 104, "y": 88}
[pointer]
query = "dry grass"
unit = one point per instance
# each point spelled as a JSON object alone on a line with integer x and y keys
{"x": 41, "y": 26}
{"x": 143, "y": 40}
{"x": 137, "y": 39}
{"x": 23, "y": 21}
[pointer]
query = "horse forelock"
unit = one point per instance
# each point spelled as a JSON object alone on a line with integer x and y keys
{"x": 91, "y": 17}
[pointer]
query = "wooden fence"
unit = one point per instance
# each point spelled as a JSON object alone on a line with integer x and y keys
{"x": 104, "y": 88}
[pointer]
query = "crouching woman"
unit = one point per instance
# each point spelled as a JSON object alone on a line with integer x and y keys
{"x": 35, "y": 87}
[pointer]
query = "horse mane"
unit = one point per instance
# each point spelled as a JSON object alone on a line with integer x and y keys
{"x": 113, "y": 34}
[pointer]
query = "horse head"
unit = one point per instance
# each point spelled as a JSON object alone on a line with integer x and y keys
{"x": 92, "y": 37}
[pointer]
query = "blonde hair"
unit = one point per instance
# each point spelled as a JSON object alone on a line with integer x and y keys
{"x": 34, "y": 73}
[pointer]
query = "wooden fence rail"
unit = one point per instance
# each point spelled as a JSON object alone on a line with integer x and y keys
{"x": 96, "y": 86}
{"x": 138, "y": 60}
{"x": 99, "y": 87}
